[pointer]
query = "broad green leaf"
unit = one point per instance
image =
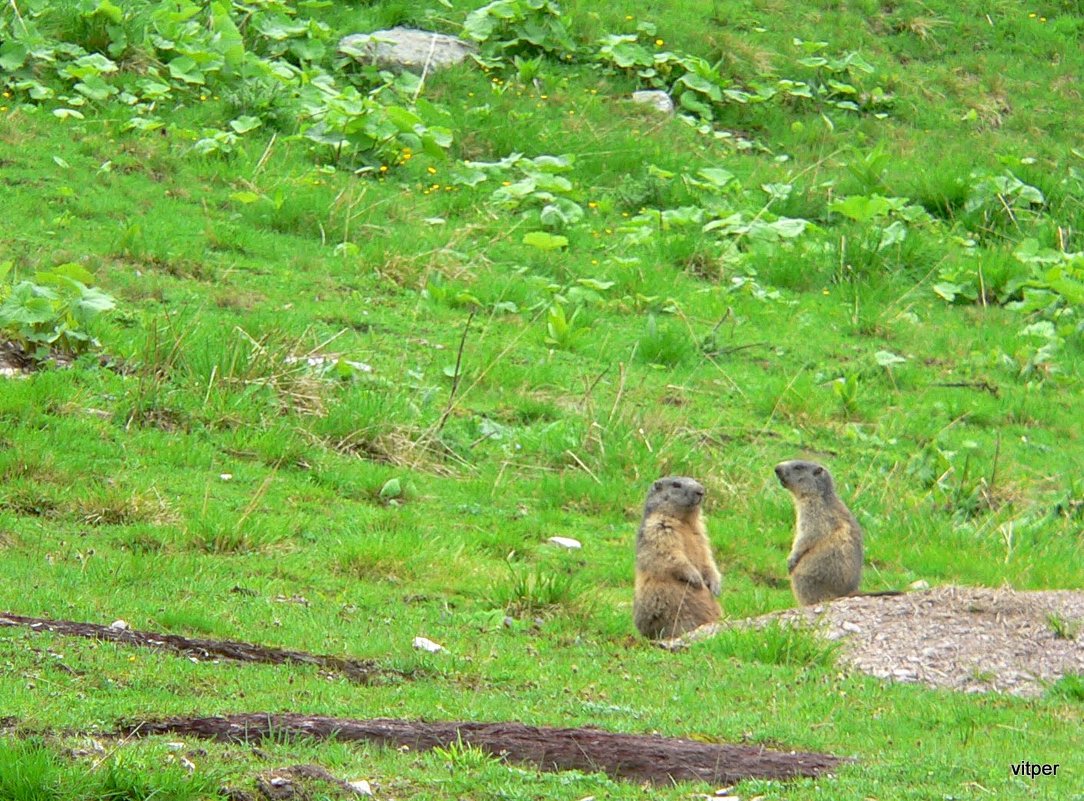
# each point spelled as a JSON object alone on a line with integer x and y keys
{"x": 94, "y": 87}
{"x": 861, "y": 208}
{"x": 402, "y": 118}
{"x": 243, "y": 125}
{"x": 111, "y": 12}
{"x": 545, "y": 241}
{"x": 92, "y": 302}
{"x": 228, "y": 40}
{"x": 594, "y": 283}
{"x": 185, "y": 69}
{"x": 13, "y": 55}
{"x": 72, "y": 270}
{"x": 716, "y": 176}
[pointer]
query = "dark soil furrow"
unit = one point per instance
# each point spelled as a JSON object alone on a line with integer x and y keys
{"x": 637, "y": 757}
{"x": 362, "y": 671}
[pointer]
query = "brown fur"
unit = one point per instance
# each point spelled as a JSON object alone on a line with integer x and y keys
{"x": 825, "y": 561}
{"x": 676, "y": 576}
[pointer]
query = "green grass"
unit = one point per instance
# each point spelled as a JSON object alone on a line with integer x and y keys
{"x": 225, "y": 479}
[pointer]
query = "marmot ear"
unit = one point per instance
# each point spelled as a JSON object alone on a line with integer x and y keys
{"x": 657, "y": 486}
{"x": 818, "y": 470}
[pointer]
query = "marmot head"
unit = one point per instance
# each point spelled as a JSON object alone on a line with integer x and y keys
{"x": 805, "y": 479}
{"x": 677, "y": 495}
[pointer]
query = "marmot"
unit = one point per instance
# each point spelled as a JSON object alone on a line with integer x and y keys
{"x": 826, "y": 559}
{"x": 676, "y": 576}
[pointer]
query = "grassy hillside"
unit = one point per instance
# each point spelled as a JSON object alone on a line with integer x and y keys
{"x": 376, "y": 339}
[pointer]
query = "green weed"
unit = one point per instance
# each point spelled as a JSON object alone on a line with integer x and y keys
{"x": 774, "y": 645}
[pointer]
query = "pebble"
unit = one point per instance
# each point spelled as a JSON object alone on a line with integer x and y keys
{"x": 425, "y": 644}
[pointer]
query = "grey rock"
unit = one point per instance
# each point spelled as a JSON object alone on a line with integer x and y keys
{"x": 406, "y": 49}
{"x": 656, "y": 98}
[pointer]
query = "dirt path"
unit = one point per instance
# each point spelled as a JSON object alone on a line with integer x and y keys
{"x": 639, "y": 757}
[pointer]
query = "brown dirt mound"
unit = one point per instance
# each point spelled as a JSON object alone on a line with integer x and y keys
{"x": 362, "y": 671}
{"x": 650, "y": 758}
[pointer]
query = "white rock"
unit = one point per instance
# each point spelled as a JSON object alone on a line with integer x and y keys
{"x": 425, "y": 644}
{"x": 565, "y": 542}
{"x": 226, "y": 476}
{"x": 851, "y": 627}
{"x": 175, "y": 746}
{"x": 119, "y": 625}
{"x": 919, "y": 585}
{"x": 406, "y": 48}
{"x": 361, "y": 787}
{"x": 656, "y": 98}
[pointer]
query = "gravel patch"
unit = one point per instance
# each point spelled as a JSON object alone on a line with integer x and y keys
{"x": 962, "y": 638}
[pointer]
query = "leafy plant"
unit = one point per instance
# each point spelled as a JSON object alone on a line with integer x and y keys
{"x": 562, "y": 331}
{"x": 846, "y": 389}
{"x": 538, "y": 187}
{"x": 1063, "y": 629}
{"x": 271, "y": 64}
{"x": 669, "y": 344}
{"x": 55, "y": 312}
{"x": 520, "y": 27}
{"x": 701, "y": 91}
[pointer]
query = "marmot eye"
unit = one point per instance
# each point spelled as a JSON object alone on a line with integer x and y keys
{"x": 818, "y": 471}
{"x": 675, "y": 484}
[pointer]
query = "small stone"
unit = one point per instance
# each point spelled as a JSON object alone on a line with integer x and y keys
{"x": 565, "y": 542}
{"x": 361, "y": 787}
{"x": 851, "y": 627}
{"x": 175, "y": 746}
{"x": 919, "y": 585}
{"x": 425, "y": 644}
{"x": 226, "y": 476}
{"x": 119, "y": 625}
{"x": 656, "y": 98}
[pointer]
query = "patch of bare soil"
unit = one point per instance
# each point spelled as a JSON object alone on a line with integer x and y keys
{"x": 970, "y": 639}
{"x": 639, "y": 757}
{"x": 299, "y": 783}
{"x": 14, "y": 361}
{"x": 362, "y": 671}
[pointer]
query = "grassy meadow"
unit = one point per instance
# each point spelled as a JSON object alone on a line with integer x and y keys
{"x": 349, "y": 347}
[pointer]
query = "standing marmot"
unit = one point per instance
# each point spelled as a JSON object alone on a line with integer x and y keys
{"x": 826, "y": 559}
{"x": 676, "y": 576}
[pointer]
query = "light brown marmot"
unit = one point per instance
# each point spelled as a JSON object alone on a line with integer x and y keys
{"x": 676, "y": 576}
{"x": 825, "y": 561}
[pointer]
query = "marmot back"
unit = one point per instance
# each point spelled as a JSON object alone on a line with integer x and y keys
{"x": 676, "y": 576}
{"x": 825, "y": 561}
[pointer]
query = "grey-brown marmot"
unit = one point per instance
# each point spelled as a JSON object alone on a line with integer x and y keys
{"x": 825, "y": 561}
{"x": 676, "y": 576}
